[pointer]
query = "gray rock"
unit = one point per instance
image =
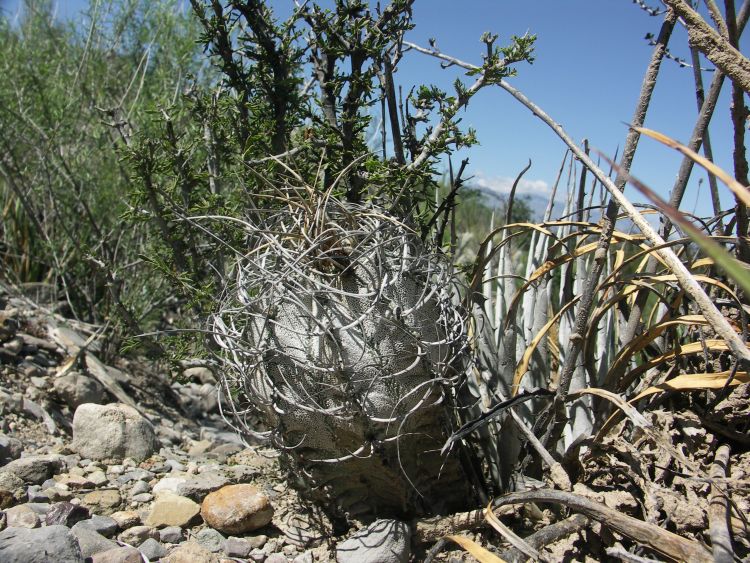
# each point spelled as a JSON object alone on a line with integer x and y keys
{"x": 76, "y": 389}
{"x": 277, "y": 558}
{"x": 91, "y": 542}
{"x": 114, "y": 431}
{"x": 197, "y": 487}
{"x": 98, "y": 478}
{"x": 169, "y": 485}
{"x": 40, "y": 382}
{"x": 175, "y": 465}
{"x": 168, "y": 435}
{"x": 41, "y": 508}
{"x": 257, "y": 555}
{"x": 152, "y": 549}
{"x": 34, "y": 469}
{"x": 210, "y": 539}
{"x": 142, "y": 497}
{"x": 171, "y": 534}
{"x": 52, "y": 544}
{"x": 135, "y": 475}
{"x": 229, "y": 438}
{"x": 202, "y": 374}
{"x": 306, "y": 557}
{"x": 140, "y": 487}
{"x": 103, "y": 525}
{"x": 237, "y": 547}
{"x": 66, "y": 514}
{"x": 257, "y": 541}
{"x": 10, "y": 449}
{"x": 48, "y": 484}
{"x": 35, "y": 494}
{"x": 383, "y": 541}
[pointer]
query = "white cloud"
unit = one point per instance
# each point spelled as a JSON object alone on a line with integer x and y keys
{"x": 501, "y": 185}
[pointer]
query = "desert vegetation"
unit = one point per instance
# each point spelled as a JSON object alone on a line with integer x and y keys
{"x": 212, "y": 185}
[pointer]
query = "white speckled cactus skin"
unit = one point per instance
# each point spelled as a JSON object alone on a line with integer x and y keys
{"x": 346, "y": 348}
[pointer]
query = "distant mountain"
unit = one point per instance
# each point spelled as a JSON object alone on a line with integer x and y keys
{"x": 538, "y": 205}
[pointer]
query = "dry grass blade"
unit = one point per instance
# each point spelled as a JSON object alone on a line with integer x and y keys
{"x": 508, "y": 534}
{"x": 625, "y": 355}
{"x": 476, "y": 550}
{"x": 738, "y": 189}
{"x": 696, "y": 382}
{"x": 667, "y": 543}
{"x": 523, "y": 365}
{"x": 630, "y": 411}
{"x": 714, "y": 345}
{"x": 666, "y": 278}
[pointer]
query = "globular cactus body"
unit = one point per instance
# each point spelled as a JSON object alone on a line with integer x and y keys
{"x": 344, "y": 342}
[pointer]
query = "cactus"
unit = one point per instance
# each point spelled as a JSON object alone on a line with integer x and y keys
{"x": 340, "y": 334}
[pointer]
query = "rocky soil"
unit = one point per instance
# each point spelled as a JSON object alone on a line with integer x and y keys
{"x": 111, "y": 462}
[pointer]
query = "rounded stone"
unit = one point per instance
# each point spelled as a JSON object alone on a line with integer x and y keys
{"x": 237, "y": 509}
{"x": 113, "y": 432}
{"x": 77, "y": 389}
{"x": 34, "y": 469}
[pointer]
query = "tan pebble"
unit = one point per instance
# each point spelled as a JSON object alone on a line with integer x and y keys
{"x": 118, "y": 555}
{"x": 126, "y": 518}
{"x": 172, "y": 510}
{"x": 138, "y": 534}
{"x": 190, "y": 552}
{"x": 103, "y": 502}
{"x": 237, "y": 509}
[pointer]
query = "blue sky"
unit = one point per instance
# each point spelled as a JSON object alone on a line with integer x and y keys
{"x": 590, "y": 59}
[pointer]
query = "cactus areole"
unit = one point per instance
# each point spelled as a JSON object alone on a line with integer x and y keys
{"x": 340, "y": 335}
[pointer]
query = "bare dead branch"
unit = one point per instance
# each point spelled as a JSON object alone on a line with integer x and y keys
{"x": 656, "y": 538}
{"x": 718, "y": 509}
{"x": 716, "y": 48}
